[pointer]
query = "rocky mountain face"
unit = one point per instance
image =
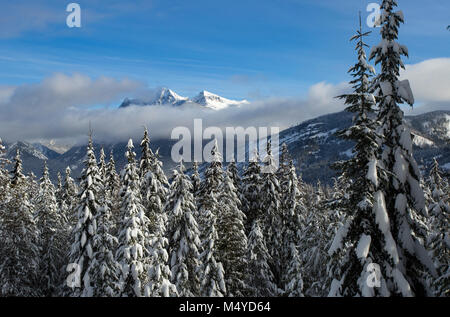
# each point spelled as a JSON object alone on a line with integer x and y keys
{"x": 313, "y": 146}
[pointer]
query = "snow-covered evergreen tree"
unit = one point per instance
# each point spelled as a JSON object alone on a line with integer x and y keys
{"x": 59, "y": 189}
{"x": 232, "y": 243}
{"x": 195, "y": 180}
{"x": 19, "y": 239}
{"x": 154, "y": 186}
{"x": 133, "y": 251}
{"x": 112, "y": 192}
{"x": 82, "y": 252}
{"x": 4, "y": 178}
{"x": 212, "y": 275}
{"x": 362, "y": 239}
{"x": 183, "y": 233}
{"x": 439, "y": 239}
{"x": 69, "y": 198}
{"x": 233, "y": 173}
{"x": 52, "y": 237}
{"x": 294, "y": 276}
{"x": 271, "y": 213}
{"x": 17, "y": 172}
{"x": 160, "y": 284}
{"x": 104, "y": 269}
{"x": 405, "y": 203}
{"x": 260, "y": 277}
{"x": 292, "y": 213}
{"x": 251, "y": 184}
{"x": 102, "y": 165}
{"x": 211, "y": 184}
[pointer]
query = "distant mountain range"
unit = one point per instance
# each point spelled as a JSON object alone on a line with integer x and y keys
{"x": 313, "y": 146}
{"x": 165, "y": 96}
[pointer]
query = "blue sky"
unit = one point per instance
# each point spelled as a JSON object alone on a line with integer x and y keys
{"x": 250, "y": 49}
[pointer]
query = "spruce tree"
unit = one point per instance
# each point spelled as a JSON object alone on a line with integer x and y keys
{"x": 160, "y": 276}
{"x": 195, "y": 179}
{"x": 69, "y": 200}
{"x": 251, "y": 184}
{"x": 292, "y": 212}
{"x": 104, "y": 268}
{"x": 405, "y": 203}
{"x": 133, "y": 251}
{"x": 81, "y": 253}
{"x": 232, "y": 243}
{"x": 154, "y": 185}
{"x": 183, "y": 233}
{"x": 270, "y": 212}
{"x": 19, "y": 239}
{"x": 212, "y": 274}
{"x": 260, "y": 277}
{"x": 439, "y": 210}
{"x": 294, "y": 276}
{"x": 113, "y": 188}
{"x": 52, "y": 237}
{"x": 4, "y": 178}
{"x": 210, "y": 186}
{"x": 362, "y": 239}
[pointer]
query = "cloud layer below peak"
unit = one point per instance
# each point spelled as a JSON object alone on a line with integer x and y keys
{"x": 61, "y": 107}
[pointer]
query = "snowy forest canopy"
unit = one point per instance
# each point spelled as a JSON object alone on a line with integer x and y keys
{"x": 381, "y": 230}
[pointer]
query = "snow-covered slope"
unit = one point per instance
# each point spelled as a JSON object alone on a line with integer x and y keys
{"x": 165, "y": 96}
{"x": 434, "y": 124}
{"x": 215, "y": 102}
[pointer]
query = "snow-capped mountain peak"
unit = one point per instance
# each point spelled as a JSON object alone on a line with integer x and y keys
{"x": 213, "y": 101}
{"x": 166, "y": 96}
{"x": 163, "y": 96}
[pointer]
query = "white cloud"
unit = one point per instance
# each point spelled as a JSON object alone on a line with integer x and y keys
{"x": 60, "y": 107}
{"x": 430, "y": 80}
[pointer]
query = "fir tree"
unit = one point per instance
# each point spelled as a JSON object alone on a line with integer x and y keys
{"x": 292, "y": 212}
{"x": 183, "y": 233}
{"x": 113, "y": 189}
{"x": 4, "y": 178}
{"x": 260, "y": 276}
{"x": 17, "y": 173}
{"x": 294, "y": 279}
{"x": 251, "y": 184}
{"x": 69, "y": 199}
{"x": 210, "y": 187}
{"x": 195, "y": 180}
{"x": 52, "y": 238}
{"x": 133, "y": 251}
{"x": 404, "y": 197}
{"x": 271, "y": 212}
{"x": 438, "y": 240}
{"x": 212, "y": 272}
{"x": 81, "y": 253}
{"x": 232, "y": 243}
{"x": 19, "y": 239}
{"x": 154, "y": 185}
{"x": 160, "y": 284}
{"x": 362, "y": 240}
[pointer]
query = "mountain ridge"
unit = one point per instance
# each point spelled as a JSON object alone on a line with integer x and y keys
{"x": 166, "y": 96}
{"x": 312, "y": 144}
